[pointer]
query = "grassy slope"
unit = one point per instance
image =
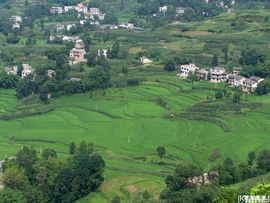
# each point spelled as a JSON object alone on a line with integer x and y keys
{"x": 126, "y": 127}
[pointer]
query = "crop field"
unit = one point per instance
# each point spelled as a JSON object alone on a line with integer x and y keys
{"x": 127, "y": 125}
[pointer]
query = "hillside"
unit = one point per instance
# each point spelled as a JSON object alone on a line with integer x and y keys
{"x": 127, "y": 109}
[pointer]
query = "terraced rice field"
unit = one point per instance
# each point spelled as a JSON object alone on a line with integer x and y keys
{"x": 126, "y": 126}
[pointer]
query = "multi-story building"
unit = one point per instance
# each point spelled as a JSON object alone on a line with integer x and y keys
{"x": 218, "y": 74}
{"x": 186, "y": 69}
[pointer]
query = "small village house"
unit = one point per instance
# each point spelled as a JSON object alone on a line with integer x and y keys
{"x": 81, "y": 8}
{"x": 59, "y": 27}
{"x": 130, "y": 26}
{"x": 180, "y": 10}
{"x": 50, "y": 73}
{"x": 145, "y": 60}
{"x": 250, "y": 84}
{"x": 94, "y": 11}
{"x": 56, "y": 10}
{"x": 163, "y": 9}
{"x": 218, "y": 74}
{"x": 235, "y": 80}
{"x": 16, "y": 26}
{"x": 202, "y": 74}
{"x": 68, "y": 8}
{"x": 16, "y": 19}
{"x": 11, "y": 70}
{"x": 78, "y": 53}
{"x": 236, "y": 70}
{"x": 101, "y": 16}
{"x": 103, "y": 52}
{"x": 70, "y": 38}
{"x": 186, "y": 69}
{"x": 27, "y": 69}
{"x": 70, "y": 26}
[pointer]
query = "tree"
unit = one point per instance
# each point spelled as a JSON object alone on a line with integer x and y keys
{"x": 260, "y": 189}
{"x": 263, "y": 160}
{"x": 26, "y": 158}
{"x": 225, "y": 52}
{"x": 83, "y": 148}
{"x": 169, "y": 65}
{"x": 227, "y": 173}
{"x": 161, "y": 151}
{"x": 91, "y": 60}
{"x": 251, "y": 158}
{"x": 44, "y": 93}
{"x": 237, "y": 97}
{"x": 243, "y": 171}
{"x": 214, "y": 60}
{"x": 49, "y": 153}
{"x": 250, "y": 57}
{"x": 10, "y": 196}
{"x": 122, "y": 5}
{"x": 115, "y": 50}
{"x": 116, "y": 199}
{"x": 15, "y": 178}
{"x": 146, "y": 195}
{"x": 263, "y": 87}
{"x": 72, "y": 148}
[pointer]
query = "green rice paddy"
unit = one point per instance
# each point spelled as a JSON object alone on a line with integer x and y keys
{"x": 126, "y": 126}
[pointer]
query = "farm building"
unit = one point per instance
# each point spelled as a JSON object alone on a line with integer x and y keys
{"x": 145, "y": 60}
{"x": 235, "y": 80}
{"x": 186, "y": 69}
{"x": 56, "y": 10}
{"x": 218, "y": 74}
{"x": 27, "y": 69}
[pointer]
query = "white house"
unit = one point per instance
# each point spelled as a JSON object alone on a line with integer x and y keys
{"x": 101, "y": 16}
{"x": 59, "y": 27}
{"x": 163, "y": 9}
{"x": 16, "y": 26}
{"x": 50, "y": 73}
{"x": 218, "y": 74}
{"x": 70, "y": 26}
{"x": 180, "y": 10}
{"x": 103, "y": 52}
{"x": 82, "y": 22}
{"x": 186, "y": 69}
{"x": 71, "y": 38}
{"x": 68, "y": 8}
{"x": 11, "y": 70}
{"x": 27, "y": 69}
{"x": 56, "y": 10}
{"x": 16, "y": 19}
{"x": 145, "y": 60}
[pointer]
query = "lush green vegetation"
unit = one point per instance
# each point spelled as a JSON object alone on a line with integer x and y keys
{"x": 143, "y": 120}
{"x": 49, "y": 179}
{"x": 128, "y": 124}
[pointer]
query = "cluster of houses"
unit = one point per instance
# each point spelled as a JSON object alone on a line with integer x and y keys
{"x": 16, "y": 22}
{"x": 26, "y": 70}
{"x": 204, "y": 179}
{"x": 218, "y": 74}
{"x": 90, "y": 13}
{"x": 181, "y": 10}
